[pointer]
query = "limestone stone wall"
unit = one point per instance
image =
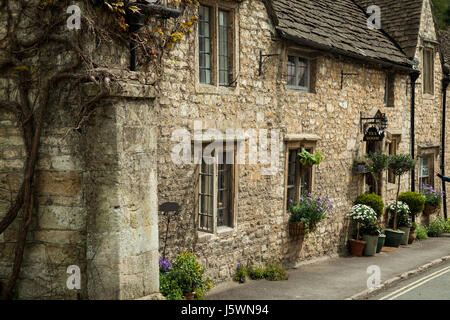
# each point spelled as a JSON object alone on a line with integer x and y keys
{"x": 263, "y": 102}
{"x": 429, "y": 107}
{"x": 96, "y": 189}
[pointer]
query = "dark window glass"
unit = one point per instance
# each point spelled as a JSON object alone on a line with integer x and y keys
{"x": 204, "y": 38}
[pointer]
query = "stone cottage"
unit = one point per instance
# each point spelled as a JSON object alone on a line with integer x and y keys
{"x": 314, "y": 70}
{"x": 256, "y": 82}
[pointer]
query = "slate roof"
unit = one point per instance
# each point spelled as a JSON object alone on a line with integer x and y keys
{"x": 337, "y": 25}
{"x": 400, "y": 19}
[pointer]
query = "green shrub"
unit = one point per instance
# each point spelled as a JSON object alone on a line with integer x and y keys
{"x": 421, "y": 233}
{"x": 372, "y": 200}
{"x": 255, "y": 273}
{"x": 447, "y": 226}
{"x": 241, "y": 273}
{"x": 414, "y": 200}
{"x": 185, "y": 275}
{"x": 169, "y": 288}
{"x": 275, "y": 273}
{"x": 436, "y": 228}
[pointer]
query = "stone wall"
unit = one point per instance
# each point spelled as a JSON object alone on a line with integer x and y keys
{"x": 263, "y": 102}
{"x": 96, "y": 189}
{"x": 429, "y": 107}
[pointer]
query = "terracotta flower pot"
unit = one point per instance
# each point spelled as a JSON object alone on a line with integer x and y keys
{"x": 189, "y": 296}
{"x": 356, "y": 247}
{"x": 296, "y": 229}
{"x": 428, "y": 210}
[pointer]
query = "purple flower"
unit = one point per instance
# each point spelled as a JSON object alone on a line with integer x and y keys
{"x": 164, "y": 265}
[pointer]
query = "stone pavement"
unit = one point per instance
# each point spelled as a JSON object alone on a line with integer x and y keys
{"x": 338, "y": 278}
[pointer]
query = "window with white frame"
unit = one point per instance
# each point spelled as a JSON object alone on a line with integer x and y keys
{"x": 426, "y": 169}
{"x": 298, "y": 73}
{"x": 216, "y": 191}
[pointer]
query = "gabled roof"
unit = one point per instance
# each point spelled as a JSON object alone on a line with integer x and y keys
{"x": 336, "y": 25}
{"x": 400, "y": 19}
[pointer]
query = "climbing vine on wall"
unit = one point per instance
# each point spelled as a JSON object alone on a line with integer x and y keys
{"x": 34, "y": 81}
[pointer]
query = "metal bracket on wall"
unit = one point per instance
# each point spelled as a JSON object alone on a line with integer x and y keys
{"x": 262, "y": 60}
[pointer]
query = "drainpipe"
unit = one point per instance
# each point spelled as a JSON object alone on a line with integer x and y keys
{"x": 445, "y": 83}
{"x": 414, "y": 76}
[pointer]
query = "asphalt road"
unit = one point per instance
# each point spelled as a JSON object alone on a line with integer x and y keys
{"x": 434, "y": 284}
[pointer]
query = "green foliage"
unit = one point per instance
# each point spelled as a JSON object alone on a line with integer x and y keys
{"x": 442, "y": 12}
{"x": 414, "y": 200}
{"x": 421, "y": 233}
{"x": 309, "y": 210}
{"x": 169, "y": 287}
{"x": 403, "y": 214}
{"x": 447, "y": 226}
{"x": 241, "y": 273}
{"x": 436, "y": 228}
{"x": 432, "y": 197}
{"x": 275, "y": 272}
{"x": 372, "y": 200}
{"x": 186, "y": 275}
{"x": 372, "y": 229}
{"x": 255, "y": 273}
{"x": 307, "y": 158}
{"x": 377, "y": 162}
{"x": 401, "y": 164}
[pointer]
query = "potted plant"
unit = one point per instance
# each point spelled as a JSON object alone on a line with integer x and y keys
{"x": 403, "y": 219}
{"x": 370, "y": 234}
{"x": 381, "y": 240}
{"x": 372, "y": 200}
{"x": 362, "y": 215}
{"x": 433, "y": 200}
{"x": 184, "y": 278}
{"x": 307, "y": 213}
{"x": 296, "y": 225}
{"x": 399, "y": 164}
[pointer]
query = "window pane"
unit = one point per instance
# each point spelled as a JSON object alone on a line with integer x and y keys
{"x": 224, "y": 194}
{"x": 291, "y": 71}
{"x": 302, "y": 69}
{"x": 428, "y": 71}
{"x": 224, "y": 56}
{"x": 424, "y": 167}
{"x": 206, "y": 198}
{"x": 204, "y": 31}
{"x": 292, "y": 177}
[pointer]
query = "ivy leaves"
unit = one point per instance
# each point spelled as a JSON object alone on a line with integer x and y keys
{"x": 309, "y": 158}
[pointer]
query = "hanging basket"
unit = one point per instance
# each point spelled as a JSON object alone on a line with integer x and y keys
{"x": 296, "y": 229}
{"x": 428, "y": 210}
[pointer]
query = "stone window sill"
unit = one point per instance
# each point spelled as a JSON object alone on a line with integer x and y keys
{"x": 221, "y": 232}
{"x": 219, "y": 90}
